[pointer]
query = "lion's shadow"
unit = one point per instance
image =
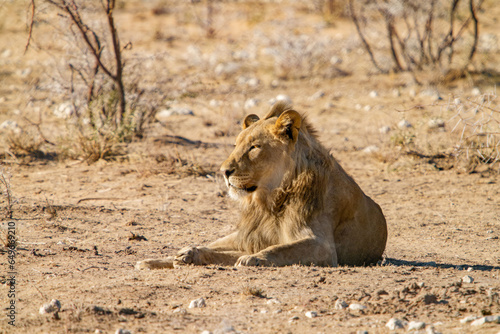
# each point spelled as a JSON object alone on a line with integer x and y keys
{"x": 433, "y": 264}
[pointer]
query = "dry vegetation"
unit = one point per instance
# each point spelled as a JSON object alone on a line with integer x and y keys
{"x": 107, "y": 134}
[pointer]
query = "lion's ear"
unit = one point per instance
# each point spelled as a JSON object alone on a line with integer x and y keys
{"x": 288, "y": 125}
{"x": 249, "y": 120}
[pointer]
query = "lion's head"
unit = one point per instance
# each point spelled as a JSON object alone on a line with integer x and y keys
{"x": 263, "y": 154}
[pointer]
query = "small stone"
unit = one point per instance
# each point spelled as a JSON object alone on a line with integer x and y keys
{"x": 371, "y": 149}
{"x": 404, "y": 124}
{"x": 395, "y": 323}
{"x": 468, "y": 319}
{"x": 367, "y": 108}
{"x": 457, "y": 101}
{"x": 53, "y": 307}
{"x": 7, "y": 53}
{"x": 98, "y": 331}
{"x": 10, "y": 125}
{"x": 273, "y": 301}
{"x": 215, "y": 103}
{"x": 384, "y": 129}
{"x": 318, "y": 95}
{"x": 253, "y": 82}
{"x": 485, "y": 320}
{"x": 264, "y": 311}
{"x": 358, "y": 106}
{"x": 251, "y": 103}
{"x": 362, "y": 332}
{"x": 470, "y": 269}
{"x": 283, "y": 97}
{"x": 163, "y": 114}
{"x": 278, "y": 311}
{"x": 475, "y": 91}
{"x": 123, "y": 331}
{"x": 373, "y": 94}
{"x": 357, "y": 307}
{"x": 206, "y": 332}
{"x": 430, "y": 299}
{"x": 294, "y": 318}
{"x": 180, "y": 310}
{"x": 311, "y": 314}
{"x": 275, "y": 83}
{"x": 64, "y": 110}
{"x": 340, "y": 304}
{"x": 416, "y": 325}
{"x": 227, "y": 69}
{"x": 467, "y": 279}
{"x": 396, "y": 93}
{"x": 412, "y": 92}
{"x": 435, "y": 123}
{"x": 335, "y": 60}
{"x": 197, "y": 303}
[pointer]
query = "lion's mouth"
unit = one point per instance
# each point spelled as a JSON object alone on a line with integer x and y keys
{"x": 248, "y": 189}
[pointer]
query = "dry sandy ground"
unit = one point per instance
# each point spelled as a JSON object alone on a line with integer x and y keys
{"x": 81, "y": 228}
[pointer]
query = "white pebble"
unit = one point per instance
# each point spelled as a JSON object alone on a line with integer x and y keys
{"x": 197, "y": 303}
{"x": 317, "y": 95}
{"x": 340, "y": 304}
{"x": 396, "y": 93}
{"x": 64, "y": 110}
{"x": 416, "y": 325}
{"x": 311, "y": 314}
{"x": 367, "y": 108}
{"x": 412, "y": 92}
{"x": 7, "y": 53}
{"x": 206, "y": 332}
{"x": 476, "y": 91}
{"x": 485, "y": 320}
{"x": 395, "y": 323}
{"x": 436, "y": 123}
{"x": 53, "y": 306}
{"x": 370, "y": 149}
{"x": 180, "y": 310}
{"x": 251, "y": 103}
{"x": 214, "y": 103}
{"x": 355, "y": 307}
{"x": 404, "y": 124}
{"x": 468, "y": 319}
{"x": 384, "y": 129}
{"x": 163, "y": 114}
{"x": 467, "y": 279}
{"x": 253, "y": 82}
{"x": 335, "y": 60}
{"x": 283, "y": 97}
{"x": 10, "y": 125}
{"x": 273, "y": 301}
{"x": 373, "y": 94}
{"x": 123, "y": 331}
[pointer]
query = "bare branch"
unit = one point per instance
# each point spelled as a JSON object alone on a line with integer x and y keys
{"x": 31, "y": 22}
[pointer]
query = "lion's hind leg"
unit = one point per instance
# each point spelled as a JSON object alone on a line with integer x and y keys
{"x": 165, "y": 263}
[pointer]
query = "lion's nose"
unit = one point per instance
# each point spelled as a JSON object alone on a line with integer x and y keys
{"x": 228, "y": 172}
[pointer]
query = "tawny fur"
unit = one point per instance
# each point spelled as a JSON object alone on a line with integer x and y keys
{"x": 298, "y": 205}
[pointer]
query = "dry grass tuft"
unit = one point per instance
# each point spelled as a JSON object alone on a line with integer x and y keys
{"x": 254, "y": 291}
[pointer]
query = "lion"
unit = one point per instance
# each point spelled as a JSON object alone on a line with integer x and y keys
{"x": 298, "y": 205}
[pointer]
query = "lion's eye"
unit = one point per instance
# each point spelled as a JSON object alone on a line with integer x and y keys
{"x": 254, "y": 147}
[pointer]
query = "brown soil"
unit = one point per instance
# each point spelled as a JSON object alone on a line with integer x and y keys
{"x": 82, "y": 227}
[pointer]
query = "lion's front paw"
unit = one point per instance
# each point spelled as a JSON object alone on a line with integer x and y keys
{"x": 188, "y": 255}
{"x": 251, "y": 260}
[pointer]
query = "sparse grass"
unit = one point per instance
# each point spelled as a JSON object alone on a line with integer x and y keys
{"x": 24, "y": 144}
{"x": 478, "y": 125}
{"x": 253, "y": 291}
{"x": 7, "y": 192}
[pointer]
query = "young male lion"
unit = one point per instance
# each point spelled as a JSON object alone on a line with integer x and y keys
{"x": 298, "y": 205}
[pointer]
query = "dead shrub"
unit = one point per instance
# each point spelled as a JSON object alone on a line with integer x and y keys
{"x": 477, "y": 123}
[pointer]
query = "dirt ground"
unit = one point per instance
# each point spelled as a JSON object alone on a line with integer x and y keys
{"x": 81, "y": 227}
